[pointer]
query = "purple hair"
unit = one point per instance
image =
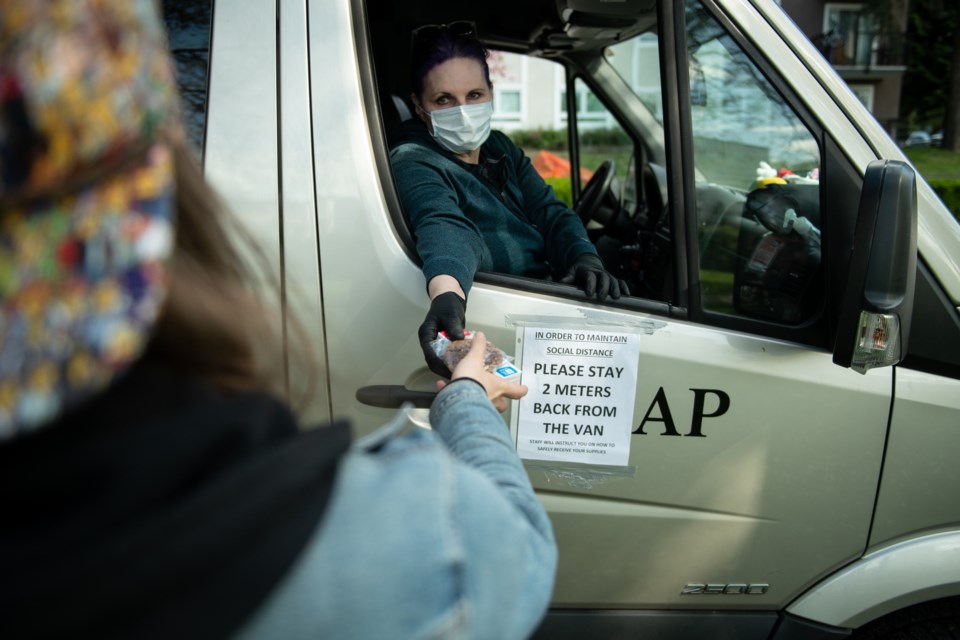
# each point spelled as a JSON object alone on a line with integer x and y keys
{"x": 437, "y": 49}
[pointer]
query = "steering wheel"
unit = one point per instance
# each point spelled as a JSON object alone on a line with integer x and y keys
{"x": 598, "y": 187}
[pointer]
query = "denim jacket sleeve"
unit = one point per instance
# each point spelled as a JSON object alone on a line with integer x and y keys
{"x": 429, "y": 534}
{"x": 512, "y": 583}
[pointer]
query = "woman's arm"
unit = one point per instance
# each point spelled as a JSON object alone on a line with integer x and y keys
{"x": 510, "y": 565}
{"x": 448, "y": 242}
{"x": 444, "y": 284}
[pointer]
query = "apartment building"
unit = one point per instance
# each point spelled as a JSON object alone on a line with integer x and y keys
{"x": 865, "y": 43}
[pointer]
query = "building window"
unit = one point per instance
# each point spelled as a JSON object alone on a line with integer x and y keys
{"x": 508, "y": 75}
{"x": 850, "y": 35}
{"x": 507, "y": 103}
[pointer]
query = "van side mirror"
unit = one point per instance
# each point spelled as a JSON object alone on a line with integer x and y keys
{"x": 874, "y": 319}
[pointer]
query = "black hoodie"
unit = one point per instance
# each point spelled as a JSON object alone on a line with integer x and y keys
{"x": 162, "y": 508}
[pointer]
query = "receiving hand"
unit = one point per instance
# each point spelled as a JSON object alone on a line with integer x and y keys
{"x": 447, "y": 313}
{"x": 471, "y": 366}
{"x": 589, "y": 274}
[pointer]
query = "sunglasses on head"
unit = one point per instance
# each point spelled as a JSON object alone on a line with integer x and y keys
{"x": 460, "y": 28}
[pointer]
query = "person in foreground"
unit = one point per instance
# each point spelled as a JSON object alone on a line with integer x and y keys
{"x": 473, "y": 198}
{"x": 155, "y": 484}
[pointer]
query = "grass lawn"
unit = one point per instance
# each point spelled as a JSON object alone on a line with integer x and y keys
{"x": 937, "y": 166}
{"x": 934, "y": 163}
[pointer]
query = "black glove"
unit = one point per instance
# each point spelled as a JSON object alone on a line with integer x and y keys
{"x": 447, "y": 313}
{"x": 588, "y": 274}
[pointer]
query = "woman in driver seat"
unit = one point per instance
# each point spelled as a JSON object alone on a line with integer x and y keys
{"x": 472, "y": 197}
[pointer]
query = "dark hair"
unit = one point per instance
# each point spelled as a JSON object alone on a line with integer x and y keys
{"x": 441, "y": 45}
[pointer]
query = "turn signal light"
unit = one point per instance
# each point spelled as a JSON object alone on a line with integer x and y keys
{"x": 878, "y": 341}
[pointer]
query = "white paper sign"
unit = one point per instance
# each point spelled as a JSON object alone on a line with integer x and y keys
{"x": 582, "y": 385}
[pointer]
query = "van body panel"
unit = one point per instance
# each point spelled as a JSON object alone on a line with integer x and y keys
{"x": 938, "y": 240}
{"x": 241, "y": 156}
{"x": 373, "y": 294}
{"x": 920, "y": 486}
{"x": 788, "y": 468}
{"x": 916, "y": 570}
{"x": 303, "y": 291}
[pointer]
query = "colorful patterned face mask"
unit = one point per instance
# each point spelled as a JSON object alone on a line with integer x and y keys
{"x": 86, "y": 198}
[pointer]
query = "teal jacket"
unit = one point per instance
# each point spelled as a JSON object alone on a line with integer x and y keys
{"x": 496, "y": 216}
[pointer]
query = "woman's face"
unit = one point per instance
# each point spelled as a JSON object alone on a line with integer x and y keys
{"x": 454, "y": 83}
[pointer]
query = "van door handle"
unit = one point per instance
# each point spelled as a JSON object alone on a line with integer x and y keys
{"x": 392, "y": 396}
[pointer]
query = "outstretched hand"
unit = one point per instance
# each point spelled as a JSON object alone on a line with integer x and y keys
{"x": 499, "y": 391}
{"x": 447, "y": 313}
{"x": 589, "y": 274}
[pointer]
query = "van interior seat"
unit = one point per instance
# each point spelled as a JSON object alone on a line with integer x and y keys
{"x": 403, "y": 111}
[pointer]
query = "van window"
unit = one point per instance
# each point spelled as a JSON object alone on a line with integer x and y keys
{"x": 757, "y": 192}
{"x": 188, "y": 25}
{"x": 600, "y": 137}
{"x": 525, "y": 96}
{"x": 756, "y": 177}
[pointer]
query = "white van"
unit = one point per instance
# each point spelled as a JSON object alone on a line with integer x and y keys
{"x": 781, "y": 479}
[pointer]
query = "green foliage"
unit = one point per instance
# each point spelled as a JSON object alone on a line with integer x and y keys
{"x": 923, "y": 100}
{"x": 553, "y": 139}
{"x": 940, "y": 168}
{"x": 561, "y": 187}
{"x": 614, "y": 137}
{"x": 716, "y": 290}
{"x": 556, "y": 139}
{"x": 949, "y": 192}
{"x": 933, "y": 163}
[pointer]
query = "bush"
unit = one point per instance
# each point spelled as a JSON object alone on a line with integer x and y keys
{"x": 561, "y": 187}
{"x": 554, "y": 139}
{"x": 605, "y": 138}
{"x": 949, "y": 192}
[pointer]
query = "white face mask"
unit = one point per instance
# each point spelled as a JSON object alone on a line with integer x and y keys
{"x": 464, "y": 128}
